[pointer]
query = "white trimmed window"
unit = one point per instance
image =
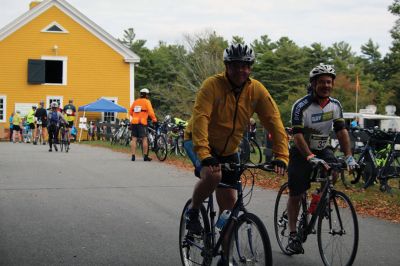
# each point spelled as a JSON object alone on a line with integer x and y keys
{"x": 57, "y": 99}
{"x": 49, "y": 70}
{"x": 109, "y": 116}
{"x": 3, "y": 108}
{"x": 54, "y": 27}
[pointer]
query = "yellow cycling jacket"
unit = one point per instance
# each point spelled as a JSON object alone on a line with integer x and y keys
{"x": 219, "y": 118}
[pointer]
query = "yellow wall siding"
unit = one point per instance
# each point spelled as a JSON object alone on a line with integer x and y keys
{"x": 94, "y": 69}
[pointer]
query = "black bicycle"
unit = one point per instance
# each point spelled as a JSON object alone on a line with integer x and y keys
{"x": 380, "y": 159}
{"x": 64, "y": 143}
{"x": 157, "y": 142}
{"x": 248, "y": 241}
{"x": 337, "y": 226}
{"x": 250, "y": 151}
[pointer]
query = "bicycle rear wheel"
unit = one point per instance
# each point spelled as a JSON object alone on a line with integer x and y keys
{"x": 181, "y": 149}
{"x": 338, "y": 231}
{"x": 244, "y": 151}
{"x": 40, "y": 138}
{"x": 161, "y": 148}
{"x": 62, "y": 144}
{"x": 255, "y": 152}
{"x": 369, "y": 174}
{"x": 249, "y": 243}
{"x": 194, "y": 249}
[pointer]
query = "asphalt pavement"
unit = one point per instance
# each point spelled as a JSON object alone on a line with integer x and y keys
{"x": 93, "y": 206}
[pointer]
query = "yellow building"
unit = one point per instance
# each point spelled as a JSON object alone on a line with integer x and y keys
{"x": 55, "y": 53}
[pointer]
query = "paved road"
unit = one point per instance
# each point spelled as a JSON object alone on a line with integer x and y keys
{"x": 93, "y": 206}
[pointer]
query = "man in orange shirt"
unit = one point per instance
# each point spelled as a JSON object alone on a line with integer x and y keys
{"x": 140, "y": 110}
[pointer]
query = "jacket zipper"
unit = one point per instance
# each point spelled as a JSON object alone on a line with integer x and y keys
{"x": 234, "y": 122}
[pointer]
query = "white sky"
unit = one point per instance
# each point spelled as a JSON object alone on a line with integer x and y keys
{"x": 303, "y": 21}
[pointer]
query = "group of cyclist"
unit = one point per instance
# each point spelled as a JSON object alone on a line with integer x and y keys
{"x": 222, "y": 110}
{"x": 49, "y": 120}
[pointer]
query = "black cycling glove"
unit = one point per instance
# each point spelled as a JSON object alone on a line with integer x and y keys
{"x": 210, "y": 161}
{"x": 279, "y": 163}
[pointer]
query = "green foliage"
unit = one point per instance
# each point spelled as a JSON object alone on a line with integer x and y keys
{"x": 174, "y": 73}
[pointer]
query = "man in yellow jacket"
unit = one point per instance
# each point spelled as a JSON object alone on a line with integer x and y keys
{"x": 222, "y": 110}
{"x": 140, "y": 110}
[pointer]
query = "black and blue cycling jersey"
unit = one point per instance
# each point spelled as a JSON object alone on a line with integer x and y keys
{"x": 316, "y": 122}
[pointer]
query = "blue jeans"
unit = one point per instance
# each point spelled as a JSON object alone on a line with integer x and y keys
{"x": 188, "y": 145}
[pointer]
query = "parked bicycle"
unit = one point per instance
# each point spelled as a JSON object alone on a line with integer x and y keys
{"x": 250, "y": 151}
{"x": 380, "y": 159}
{"x": 248, "y": 241}
{"x": 157, "y": 143}
{"x": 122, "y": 135}
{"x": 337, "y": 224}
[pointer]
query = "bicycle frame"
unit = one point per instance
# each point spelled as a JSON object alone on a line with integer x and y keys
{"x": 327, "y": 190}
{"x": 211, "y": 213}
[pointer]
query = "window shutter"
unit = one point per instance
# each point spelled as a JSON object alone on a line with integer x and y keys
{"x": 36, "y": 71}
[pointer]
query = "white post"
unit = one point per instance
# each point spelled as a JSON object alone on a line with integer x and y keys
{"x": 80, "y": 133}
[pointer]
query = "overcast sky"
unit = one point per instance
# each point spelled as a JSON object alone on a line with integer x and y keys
{"x": 303, "y": 21}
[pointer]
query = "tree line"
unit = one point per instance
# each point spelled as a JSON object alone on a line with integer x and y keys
{"x": 174, "y": 72}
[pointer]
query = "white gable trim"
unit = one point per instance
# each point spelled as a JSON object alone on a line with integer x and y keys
{"x": 54, "y": 23}
{"x": 131, "y": 83}
{"x": 81, "y": 19}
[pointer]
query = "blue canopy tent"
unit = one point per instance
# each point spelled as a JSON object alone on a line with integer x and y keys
{"x": 101, "y": 105}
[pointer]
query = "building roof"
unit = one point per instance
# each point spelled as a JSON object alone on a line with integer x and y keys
{"x": 77, "y": 16}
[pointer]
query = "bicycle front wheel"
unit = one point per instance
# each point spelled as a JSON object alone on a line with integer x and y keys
{"x": 249, "y": 243}
{"x": 195, "y": 249}
{"x": 281, "y": 220}
{"x": 161, "y": 148}
{"x": 338, "y": 231}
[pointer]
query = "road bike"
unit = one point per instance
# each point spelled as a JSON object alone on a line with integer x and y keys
{"x": 39, "y": 135}
{"x": 247, "y": 238}
{"x": 335, "y": 216}
{"x": 64, "y": 138}
{"x": 379, "y": 160}
{"x": 250, "y": 151}
{"x": 122, "y": 135}
{"x": 157, "y": 143}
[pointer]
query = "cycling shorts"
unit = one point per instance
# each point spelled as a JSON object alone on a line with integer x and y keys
{"x": 299, "y": 169}
{"x": 70, "y": 124}
{"x": 16, "y": 128}
{"x": 31, "y": 125}
{"x": 228, "y": 177}
{"x": 139, "y": 130}
{"x": 44, "y": 124}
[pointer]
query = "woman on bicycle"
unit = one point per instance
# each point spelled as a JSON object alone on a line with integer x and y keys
{"x": 312, "y": 119}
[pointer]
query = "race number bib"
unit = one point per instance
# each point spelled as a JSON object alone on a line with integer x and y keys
{"x": 318, "y": 142}
{"x": 137, "y": 109}
{"x": 69, "y": 112}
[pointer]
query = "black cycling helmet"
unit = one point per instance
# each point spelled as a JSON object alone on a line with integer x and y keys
{"x": 322, "y": 69}
{"x": 239, "y": 52}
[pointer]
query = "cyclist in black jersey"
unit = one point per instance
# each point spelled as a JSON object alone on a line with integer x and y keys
{"x": 313, "y": 117}
{"x": 41, "y": 115}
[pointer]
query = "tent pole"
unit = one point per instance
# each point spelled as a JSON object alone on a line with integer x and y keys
{"x": 80, "y": 134}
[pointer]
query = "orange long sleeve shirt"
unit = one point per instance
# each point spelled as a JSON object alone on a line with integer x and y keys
{"x": 140, "y": 110}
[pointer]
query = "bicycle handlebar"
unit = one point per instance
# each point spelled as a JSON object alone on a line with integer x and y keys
{"x": 261, "y": 166}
